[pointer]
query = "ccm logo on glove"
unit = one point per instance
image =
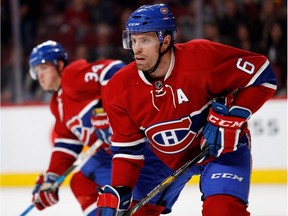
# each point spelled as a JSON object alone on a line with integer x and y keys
{"x": 223, "y": 121}
{"x": 100, "y": 122}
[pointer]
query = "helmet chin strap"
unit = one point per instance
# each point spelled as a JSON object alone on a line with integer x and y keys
{"x": 51, "y": 91}
{"x": 152, "y": 69}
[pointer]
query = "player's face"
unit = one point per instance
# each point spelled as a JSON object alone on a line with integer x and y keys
{"x": 145, "y": 47}
{"x": 48, "y": 76}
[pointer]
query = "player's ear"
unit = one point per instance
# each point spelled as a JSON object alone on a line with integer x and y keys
{"x": 166, "y": 41}
{"x": 60, "y": 65}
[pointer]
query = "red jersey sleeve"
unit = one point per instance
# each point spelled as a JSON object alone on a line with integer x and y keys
{"x": 226, "y": 69}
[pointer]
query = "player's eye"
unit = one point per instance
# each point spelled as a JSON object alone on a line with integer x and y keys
{"x": 145, "y": 40}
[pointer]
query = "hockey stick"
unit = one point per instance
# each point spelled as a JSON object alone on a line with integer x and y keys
{"x": 168, "y": 181}
{"x": 80, "y": 160}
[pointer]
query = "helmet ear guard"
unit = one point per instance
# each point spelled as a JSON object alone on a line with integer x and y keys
{"x": 150, "y": 18}
{"x": 49, "y": 51}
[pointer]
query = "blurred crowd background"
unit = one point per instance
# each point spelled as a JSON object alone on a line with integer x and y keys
{"x": 92, "y": 29}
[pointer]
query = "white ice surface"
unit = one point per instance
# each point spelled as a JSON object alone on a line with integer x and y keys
{"x": 265, "y": 200}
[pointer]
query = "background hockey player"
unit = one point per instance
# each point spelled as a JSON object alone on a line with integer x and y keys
{"x": 77, "y": 90}
{"x": 179, "y": 96}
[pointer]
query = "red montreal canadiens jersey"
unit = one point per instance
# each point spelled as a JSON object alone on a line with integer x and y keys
{"x": 82, "y": 88}
{"x": 171, "y": 112}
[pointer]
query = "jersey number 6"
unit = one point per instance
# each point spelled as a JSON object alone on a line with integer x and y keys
{"x": 245, "y": 66}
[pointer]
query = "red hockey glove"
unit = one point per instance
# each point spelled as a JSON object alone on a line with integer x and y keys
{"x": 100, "y": 122}
{"x": 113, "y": 201}
{"x": 223, "y": 128}
{"x": 43, "y": 196}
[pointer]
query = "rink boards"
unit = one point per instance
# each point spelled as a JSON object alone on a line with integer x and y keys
{"x": 26, "y": 143}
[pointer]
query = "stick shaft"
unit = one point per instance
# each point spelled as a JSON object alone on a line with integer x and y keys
{"x": 80, "y": 160}
{"x": 27, "y": 210}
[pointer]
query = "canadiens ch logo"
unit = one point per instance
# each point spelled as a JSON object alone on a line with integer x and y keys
{"x": 76, "y": 126}
{"x": 171, "y": 137}
{"x": 164, "y": 10}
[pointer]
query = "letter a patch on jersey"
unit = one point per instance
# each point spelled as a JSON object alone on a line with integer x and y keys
{"x": 181, "y": 96}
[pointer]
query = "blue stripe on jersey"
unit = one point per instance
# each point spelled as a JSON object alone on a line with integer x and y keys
{"x": 113, "y": 70}
{"x": 131, "y": 150}
{"x": 267, "y": 76}
{"x": 72, "y": 147}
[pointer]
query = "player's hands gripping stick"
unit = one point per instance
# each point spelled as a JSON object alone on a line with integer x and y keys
{"x": 113, "y": 201}
{"x": 223, "y": 128}
{"x": 43, "y": 194}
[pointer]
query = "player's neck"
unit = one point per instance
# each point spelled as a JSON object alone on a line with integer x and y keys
{"x": 162, "y": 68}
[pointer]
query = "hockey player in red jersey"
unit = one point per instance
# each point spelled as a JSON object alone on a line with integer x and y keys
{"x": 181, "y": 96}
{"x": 78, "y": 90}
